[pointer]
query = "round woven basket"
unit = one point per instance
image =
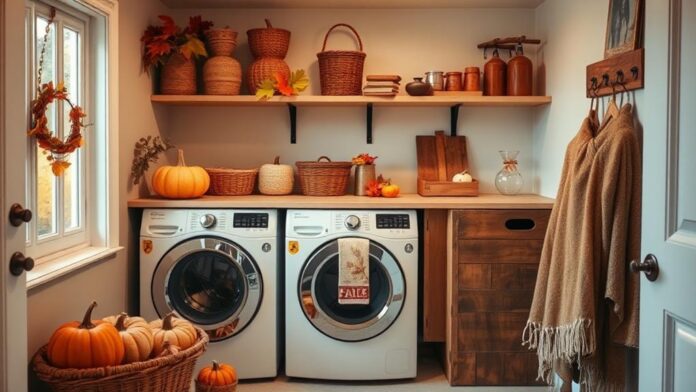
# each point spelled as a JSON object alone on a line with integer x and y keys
{"x": 215, "y": 388}
{"x": 231, "y": 182}
{"x": 178, "y": 76}
{"x": 341, "y": 71}
{"x": 263, "y": 69}
{"x": 328, "y": 178}
{"x": 169, "y": 373}
{"x": 222, "y": 75}
{"x": 269, "y": 41}
{"x": 221, "y": 42}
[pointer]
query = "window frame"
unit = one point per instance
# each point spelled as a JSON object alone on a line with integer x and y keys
{"x": 62, "y": 240}
{"x": 105, "y": 209}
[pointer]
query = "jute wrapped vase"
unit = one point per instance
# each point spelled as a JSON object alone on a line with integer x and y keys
{"x": 222, "y": 74}
{"x": 178, "y": 76}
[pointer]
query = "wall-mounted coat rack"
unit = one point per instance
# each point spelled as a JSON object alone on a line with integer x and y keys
{"x": 509, "y": 43}
{"x": 621, "y": 73}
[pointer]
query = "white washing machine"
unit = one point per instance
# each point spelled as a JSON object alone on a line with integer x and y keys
{"x": 217, "y": 269}
{"x": 327, "y": 340}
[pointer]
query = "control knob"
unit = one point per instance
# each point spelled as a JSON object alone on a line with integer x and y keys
{"x": 352, "y": 222}
{"x": 208, "y": 221}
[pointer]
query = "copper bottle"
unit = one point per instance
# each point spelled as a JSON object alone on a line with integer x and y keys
{"x": 519, "y": 74}
{"x": 494, "y": 76}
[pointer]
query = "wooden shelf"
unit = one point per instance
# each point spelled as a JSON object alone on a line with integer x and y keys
{"x": 395, "y": 4}
{"x": 484, "y": 201}
{"x": 321, "y": 100}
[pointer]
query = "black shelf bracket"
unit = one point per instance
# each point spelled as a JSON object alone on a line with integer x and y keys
{"x": 369, "y": 123}
{"x": 293, "y": 123}
{"x": 454, "y": 118}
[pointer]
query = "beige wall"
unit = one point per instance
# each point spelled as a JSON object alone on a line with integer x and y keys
{"x": 405, "y": 42}
{"x": 113, "y": 282}
{"x": 573, "y": 34}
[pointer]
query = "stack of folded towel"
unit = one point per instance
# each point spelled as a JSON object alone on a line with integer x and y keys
{"x": 382, "y": 85}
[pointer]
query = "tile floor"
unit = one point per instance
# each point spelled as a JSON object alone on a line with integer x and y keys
{"x": 430, "y": 379}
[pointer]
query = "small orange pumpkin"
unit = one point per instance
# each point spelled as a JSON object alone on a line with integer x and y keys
{"x": 136, "y": 336}
{"x": 178, "y": 332}
{"x": 218, "y": 374}
{"x": 180, "y": 181}
{"x": 86, "y": 344}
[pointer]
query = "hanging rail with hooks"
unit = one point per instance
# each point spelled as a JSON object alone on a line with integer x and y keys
{"x": 623, "y": 72}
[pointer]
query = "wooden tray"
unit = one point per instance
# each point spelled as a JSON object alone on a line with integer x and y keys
{"x": 447, "y": 188}
{"x": 440, "y": 157}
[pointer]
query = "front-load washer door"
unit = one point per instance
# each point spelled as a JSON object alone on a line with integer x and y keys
{"x": 318, "y": 295}
{"x": 212, "y": 282}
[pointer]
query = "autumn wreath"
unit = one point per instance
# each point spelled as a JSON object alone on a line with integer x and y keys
{"x": 56, "y": 150}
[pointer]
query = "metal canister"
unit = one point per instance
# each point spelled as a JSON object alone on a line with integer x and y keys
{"x": 519, "y": 74}
{"x": 494, "y": 73}
{"x": 436, "y": 80}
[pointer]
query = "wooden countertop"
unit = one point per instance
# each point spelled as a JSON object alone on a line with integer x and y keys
{"x": 484, "y": 201}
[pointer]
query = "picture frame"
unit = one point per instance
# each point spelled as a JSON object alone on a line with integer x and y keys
{"x": 623, "y": 27}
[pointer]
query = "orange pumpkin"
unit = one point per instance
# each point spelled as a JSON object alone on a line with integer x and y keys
{"x": 136, "y": 336}
{"x": 178, "y": 332}
{"x": 219, "y": 374}
{"x": 180, "y": 181}
{"x": 86, "y": 344}
{"x": 390, "y": 190}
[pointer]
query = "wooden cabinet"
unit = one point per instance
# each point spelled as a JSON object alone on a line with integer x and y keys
{"x": 493, "y": 257}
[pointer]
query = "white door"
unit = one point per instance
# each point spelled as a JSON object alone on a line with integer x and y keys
{"x": 13, "y": 150}
{"x": 668, "y": 305}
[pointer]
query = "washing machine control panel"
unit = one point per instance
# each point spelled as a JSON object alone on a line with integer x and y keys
{"x": 250, "y": 220}
{"x": 393, "y": 221}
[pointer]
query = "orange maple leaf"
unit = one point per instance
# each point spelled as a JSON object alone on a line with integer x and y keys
{"x": 283, "y": 85}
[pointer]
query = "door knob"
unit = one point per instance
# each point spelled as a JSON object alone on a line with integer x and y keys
{"x": 19, "y": 215}
{"x": 20, "y": 263}
{"x": 649, "y": 266}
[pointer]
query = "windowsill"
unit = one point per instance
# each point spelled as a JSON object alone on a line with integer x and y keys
{"x": 50, "y": 269}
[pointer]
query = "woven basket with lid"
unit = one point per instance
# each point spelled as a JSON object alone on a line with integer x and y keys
{"x": 269, "y": 41}
{"x": 169, "y": 373}
{"x": 324, "y": 178}
{"x": 341, "y": 71}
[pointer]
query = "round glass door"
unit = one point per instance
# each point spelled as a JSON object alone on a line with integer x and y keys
{"x": 318, "y": 295}
{"x": 211, "y": 282}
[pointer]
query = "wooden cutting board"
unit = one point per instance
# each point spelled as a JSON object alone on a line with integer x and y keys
{"x": 440, "y": 157}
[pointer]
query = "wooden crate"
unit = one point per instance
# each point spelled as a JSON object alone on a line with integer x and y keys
{"x": 493, "y": 257}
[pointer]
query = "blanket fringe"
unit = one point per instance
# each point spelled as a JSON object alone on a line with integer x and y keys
{"x": 566, "y": 343}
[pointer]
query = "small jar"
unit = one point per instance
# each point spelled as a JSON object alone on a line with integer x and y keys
{"x": 472, "y": 79}
{"x": 509, "y": 180}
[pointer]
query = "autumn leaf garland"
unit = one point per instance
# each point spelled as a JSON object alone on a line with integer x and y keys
{"x": 294, "y": 85}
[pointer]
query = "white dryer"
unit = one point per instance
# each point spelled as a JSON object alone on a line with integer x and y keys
{"x": 327, "y": 340}
{"x": 217, "y": 269}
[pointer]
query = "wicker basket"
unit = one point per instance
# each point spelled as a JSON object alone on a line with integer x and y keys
{"x": 171, "y": 373}
{"x": 269, "y": 41}
{"x": 217, "y": 388}
{"x": 341, "y": 70}
{"x": 328, "y": 178}
{"x": 178, "y": 76}
{"x": 231, "y": 182}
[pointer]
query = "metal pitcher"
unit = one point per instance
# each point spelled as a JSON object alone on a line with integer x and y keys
{"x": 435, "y": 79}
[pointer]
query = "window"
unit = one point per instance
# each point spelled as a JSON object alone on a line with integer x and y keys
{"x": 60, "y": 204}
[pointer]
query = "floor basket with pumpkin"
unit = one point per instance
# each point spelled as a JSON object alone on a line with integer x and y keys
{"x": 93, "y": 355}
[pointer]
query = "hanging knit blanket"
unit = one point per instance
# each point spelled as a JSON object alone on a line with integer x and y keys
{"x": 585, "y": 309}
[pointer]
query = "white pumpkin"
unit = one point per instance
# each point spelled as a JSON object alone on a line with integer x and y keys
{"x": 276, "y": 179}
{"x": 462, "y": 177}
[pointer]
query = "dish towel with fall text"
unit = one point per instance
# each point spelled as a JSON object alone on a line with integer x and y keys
{"x": 353, "y": 271}
{"x": 584, "y": 314}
